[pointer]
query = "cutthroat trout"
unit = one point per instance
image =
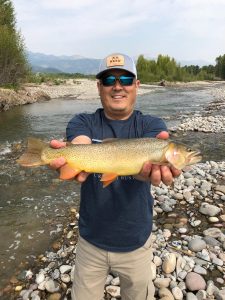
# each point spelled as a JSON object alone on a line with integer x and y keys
{"x": 112, "y": 158}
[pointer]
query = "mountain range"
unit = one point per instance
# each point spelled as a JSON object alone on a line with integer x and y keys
{"x": 46, "y": 63}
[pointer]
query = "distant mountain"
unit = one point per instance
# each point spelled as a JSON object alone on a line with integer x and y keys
{"x": 69, "y": 64}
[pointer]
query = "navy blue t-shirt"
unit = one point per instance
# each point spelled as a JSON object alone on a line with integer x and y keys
{"x": 117, "y": 218}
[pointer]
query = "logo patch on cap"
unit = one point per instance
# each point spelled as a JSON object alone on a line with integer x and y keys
{"x": 115, "y": 60}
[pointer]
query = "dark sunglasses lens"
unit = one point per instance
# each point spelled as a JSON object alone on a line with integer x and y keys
{"x": 109, "y": 81}
{"x": 126, "y": 80}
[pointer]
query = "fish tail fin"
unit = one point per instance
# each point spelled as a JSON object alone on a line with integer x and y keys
{"x": 32, "y": 156}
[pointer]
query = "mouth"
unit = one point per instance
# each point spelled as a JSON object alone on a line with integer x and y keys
{"x": 195, "y": 156}
{"x": 118, "y": 97}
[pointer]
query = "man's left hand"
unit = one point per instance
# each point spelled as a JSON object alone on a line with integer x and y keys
{"x": 156, "y": 173}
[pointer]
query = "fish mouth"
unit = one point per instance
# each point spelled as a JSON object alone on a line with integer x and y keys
{"x": 194, "y": 157}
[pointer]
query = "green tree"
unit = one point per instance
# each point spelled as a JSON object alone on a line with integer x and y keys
{"x": 220, "y": 66}
{"x": 13, "y": 62}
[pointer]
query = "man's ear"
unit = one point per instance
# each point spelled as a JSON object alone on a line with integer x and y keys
{"x": 137, "y": 83}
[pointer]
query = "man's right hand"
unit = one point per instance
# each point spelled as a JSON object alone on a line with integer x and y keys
{"x": 61, "y": 161}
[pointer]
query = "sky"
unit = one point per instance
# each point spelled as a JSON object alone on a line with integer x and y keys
{"x": 183, "y": 29}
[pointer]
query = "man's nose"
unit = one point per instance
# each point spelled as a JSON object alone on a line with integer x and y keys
{"x": 117, "y": 85}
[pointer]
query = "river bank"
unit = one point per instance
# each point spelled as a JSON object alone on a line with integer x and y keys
{"x": 80, "y": 89}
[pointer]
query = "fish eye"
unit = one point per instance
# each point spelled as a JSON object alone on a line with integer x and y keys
{"x": 189, "y": 149}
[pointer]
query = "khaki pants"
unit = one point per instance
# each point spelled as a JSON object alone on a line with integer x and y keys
{"x": 93, "y": 265}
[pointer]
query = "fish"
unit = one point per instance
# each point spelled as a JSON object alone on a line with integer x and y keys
{"x": 111, "y": 158}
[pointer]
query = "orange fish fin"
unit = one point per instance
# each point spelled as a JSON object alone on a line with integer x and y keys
{"x": 66, "y": 172}
{"x": 108, "y": 178}
{"x": 32, "y": 156}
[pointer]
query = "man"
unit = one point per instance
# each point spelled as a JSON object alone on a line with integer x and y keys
{"x": 115, "y": 222}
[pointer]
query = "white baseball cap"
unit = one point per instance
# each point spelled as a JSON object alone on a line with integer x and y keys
{"x": 117, "y": 61}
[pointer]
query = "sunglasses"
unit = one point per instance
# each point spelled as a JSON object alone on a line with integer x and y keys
{"x": 124, "y": 80}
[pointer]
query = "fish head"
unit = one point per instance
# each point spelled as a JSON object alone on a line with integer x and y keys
{"x": 179, "y": 155}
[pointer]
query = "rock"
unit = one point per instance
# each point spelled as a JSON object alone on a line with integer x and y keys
{"x": 52, "y": 286}
{"x": 115, "y": 281}
{"x": 165, "y": 294}
{"x": 65, "y": 269}
{"x": 212, "y": 232}
{"x": 195, "y": 282}
{"x": 162, "y": 282}
{"x": 201, "y": 295}
{"x": 109, "y": 279}
{"x": 197, "y": 244}
{"x": 55, "y": 296}
{"x": 177, "y": 293}
{"x": 113, "y": 290}
{"x": 191, "y": 296}
{"x": 169, "y": 263}
{"x": 220, "y": 295}
{"x": 220, "y": 188}
{"x": 18, "y": 288}
{"x": 40, "y": 278}
{"x": 208, "y": 209}
{"x": 200, "y": 270}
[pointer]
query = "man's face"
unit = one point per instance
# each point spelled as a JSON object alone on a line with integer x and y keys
{"x": 118, "y": 101}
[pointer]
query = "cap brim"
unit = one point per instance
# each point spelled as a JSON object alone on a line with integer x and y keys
{"x": 100, "y": 74}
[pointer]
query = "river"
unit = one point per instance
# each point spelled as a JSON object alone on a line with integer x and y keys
{"x": 33, "y": 203}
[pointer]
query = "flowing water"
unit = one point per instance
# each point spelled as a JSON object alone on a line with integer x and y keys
{"x": 33, "y": 203}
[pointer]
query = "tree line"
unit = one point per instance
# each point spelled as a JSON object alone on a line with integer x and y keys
{"x": 15, "y": 69}
{"x": 166, "y": 68}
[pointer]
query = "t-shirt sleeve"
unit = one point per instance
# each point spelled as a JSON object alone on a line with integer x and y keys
{"x": 78, "y": 125}
{"x": 153, "y": 126}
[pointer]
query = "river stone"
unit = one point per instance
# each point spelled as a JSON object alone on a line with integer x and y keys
{"x": 200, "y": 270}
{"x": 195, "y": 282}
{"x": 197, "y": 245}
{"x": 52, "y": 286}
{"x": 165, "y": 293}
{"x": 169, "y": 263}
{"x": 191, "y": 296}
{"x": 55, "y": 296}
{"x": 65, "y": 278}
{"x": 208, "y": 209}
{"x": 201, "y": 295}
{"x": 220, "y": 188}
{"x": 115, "y": 281}
{"x": 162, "y": 282}
{"x": 40, "y": 278}
{"x": 220, "y": 295}
{"x": 113, "y": 290}
{"x": 213, "y": 232}
{"x": 108, "y": 279}
{"x": 213, "y": 219}
{"x": 65, "y": 269}
{"x": 157, "y": 261}
{"x": 177, "y": 293}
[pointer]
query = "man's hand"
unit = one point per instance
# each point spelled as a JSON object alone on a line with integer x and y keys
{"x": 155, "y": 173}
{"x": 60, "y": 162}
